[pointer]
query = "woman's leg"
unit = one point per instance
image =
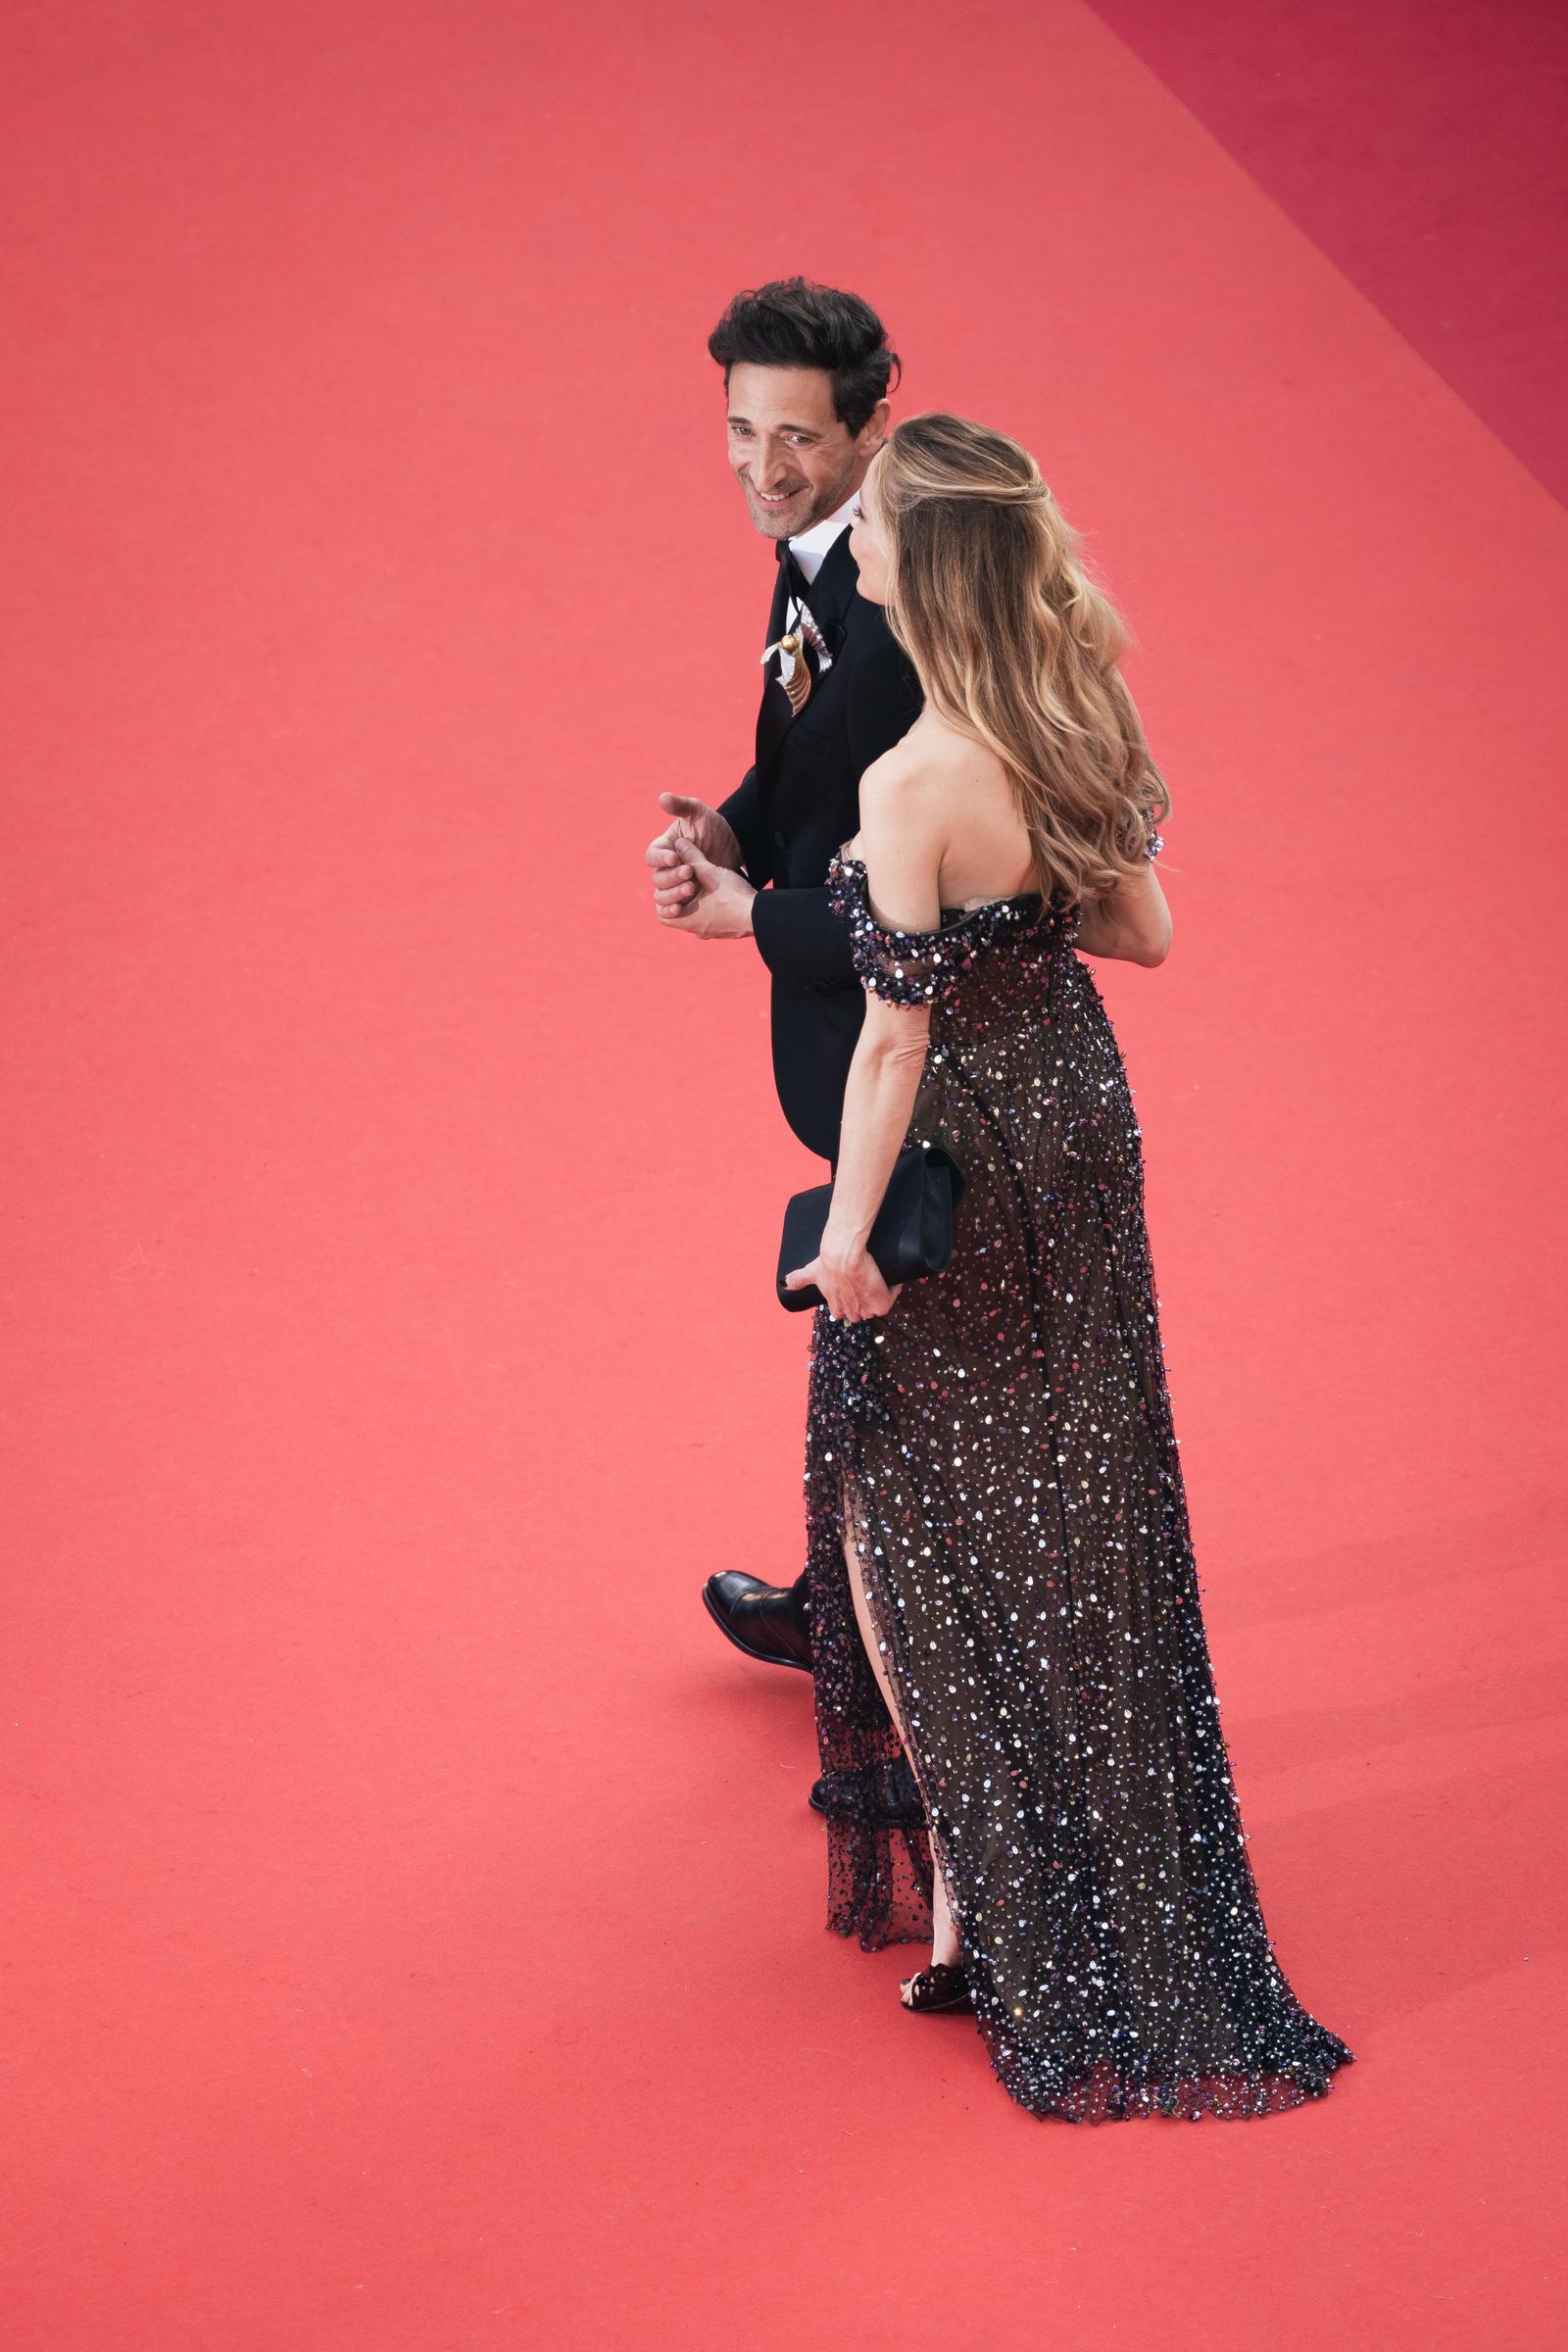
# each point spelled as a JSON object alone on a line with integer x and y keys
{"x": 945, "y": 1944}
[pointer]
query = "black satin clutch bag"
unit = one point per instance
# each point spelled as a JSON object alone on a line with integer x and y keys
{"x": 912, "y": 1234}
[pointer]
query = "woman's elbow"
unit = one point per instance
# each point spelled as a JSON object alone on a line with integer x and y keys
{"x": 897, "y": 1050}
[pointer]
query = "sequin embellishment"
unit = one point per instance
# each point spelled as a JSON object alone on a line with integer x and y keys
{"x": 1001, "y": 1448}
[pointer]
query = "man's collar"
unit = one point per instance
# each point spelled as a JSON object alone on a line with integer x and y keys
{"x": 832, "y": 592}
{"x": 822, "y": 536}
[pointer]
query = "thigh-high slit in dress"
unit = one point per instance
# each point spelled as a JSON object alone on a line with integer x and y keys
{"x": 999, "y": 1451}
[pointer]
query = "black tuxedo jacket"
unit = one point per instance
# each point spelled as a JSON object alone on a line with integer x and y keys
{"x": 794, "y": 807}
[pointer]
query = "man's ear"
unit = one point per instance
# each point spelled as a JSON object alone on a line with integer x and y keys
{"x": 877, "y": 427}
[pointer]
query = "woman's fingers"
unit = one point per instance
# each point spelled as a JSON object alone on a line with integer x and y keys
{"x": 858, "y": 1296}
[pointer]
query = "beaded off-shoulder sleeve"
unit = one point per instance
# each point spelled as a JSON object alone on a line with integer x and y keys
{"x": 917, "y": 967}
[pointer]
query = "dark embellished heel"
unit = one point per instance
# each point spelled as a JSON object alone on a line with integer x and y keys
{"x": 939, "y": 1986}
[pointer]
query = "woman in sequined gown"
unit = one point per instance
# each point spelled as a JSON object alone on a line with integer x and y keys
{"x": 1001, "y": 1574}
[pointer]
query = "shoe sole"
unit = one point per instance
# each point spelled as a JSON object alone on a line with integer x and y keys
{"x": 764, "y": 1657}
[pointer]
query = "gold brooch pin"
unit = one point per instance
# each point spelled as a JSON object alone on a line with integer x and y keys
{"x": 793, "y": 674}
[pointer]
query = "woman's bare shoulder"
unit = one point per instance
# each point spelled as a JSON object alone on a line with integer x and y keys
{"x": 932, "y": 761}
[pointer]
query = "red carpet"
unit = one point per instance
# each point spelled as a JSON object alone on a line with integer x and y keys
{"x": 417, "y": 1934}
{"x": 1423, "y": 145}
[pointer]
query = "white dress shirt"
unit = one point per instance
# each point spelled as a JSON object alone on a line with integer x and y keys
{"x": 812, "y": 545}
{"x": 810, "y": 551}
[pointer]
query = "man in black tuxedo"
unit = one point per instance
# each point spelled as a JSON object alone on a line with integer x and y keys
{"x": 806, "y": 370}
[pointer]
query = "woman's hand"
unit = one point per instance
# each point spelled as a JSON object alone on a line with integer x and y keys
{"x": 850, "y": 1280}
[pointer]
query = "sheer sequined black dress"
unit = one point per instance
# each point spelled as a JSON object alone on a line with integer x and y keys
{"x": 1000, "y": 1447}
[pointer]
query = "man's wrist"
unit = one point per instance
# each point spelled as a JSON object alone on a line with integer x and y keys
{"x": 734, "y": 908}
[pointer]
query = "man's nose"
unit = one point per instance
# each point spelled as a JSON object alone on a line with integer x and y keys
{"x": 771, "y": 467}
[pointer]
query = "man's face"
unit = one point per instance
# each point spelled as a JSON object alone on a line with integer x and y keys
{"x": 792, "y": 457}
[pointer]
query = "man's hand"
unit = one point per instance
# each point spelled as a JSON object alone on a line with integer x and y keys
{"x": 722, "y": 907}
{"x": 698, "y": 883}
{"x": 695, "y": 822}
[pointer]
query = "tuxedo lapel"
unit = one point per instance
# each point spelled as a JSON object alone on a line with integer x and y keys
{"x": 832, "y": 592}
{"x": 828, "y": 598}
{"x": 775, "y": 713}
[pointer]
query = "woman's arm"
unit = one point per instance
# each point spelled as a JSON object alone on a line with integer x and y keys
{"x": 900, "y": 841}
{"x": 878, "y": 1098}
{"x": 1133, "y": 924}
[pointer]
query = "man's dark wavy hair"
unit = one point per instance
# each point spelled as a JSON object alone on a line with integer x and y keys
{"x": 792, "y": 322}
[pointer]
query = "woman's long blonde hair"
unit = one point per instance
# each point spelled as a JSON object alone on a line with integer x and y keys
{"x": 1015, "y": 646}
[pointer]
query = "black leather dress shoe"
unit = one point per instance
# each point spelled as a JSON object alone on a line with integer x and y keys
{"x": 759, "y": 1618}
{"x": 898, "y": 1796}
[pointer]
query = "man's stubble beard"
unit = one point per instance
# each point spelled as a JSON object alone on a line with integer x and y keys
{"x": 827, "y": 503}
